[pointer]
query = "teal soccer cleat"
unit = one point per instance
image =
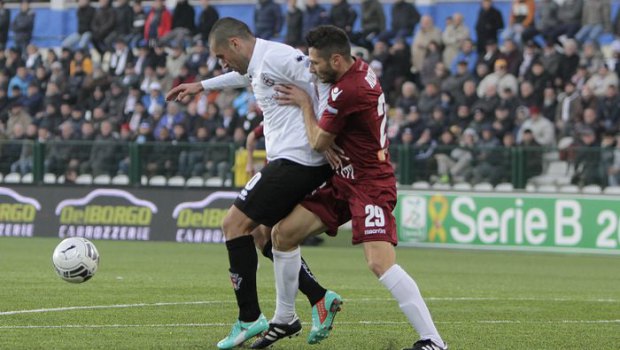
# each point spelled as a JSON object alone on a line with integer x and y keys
{"x": 323, "y": 314}
{"x": 242, "y": 331}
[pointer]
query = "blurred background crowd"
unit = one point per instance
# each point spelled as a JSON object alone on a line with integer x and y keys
{"x": 537, "y": 77}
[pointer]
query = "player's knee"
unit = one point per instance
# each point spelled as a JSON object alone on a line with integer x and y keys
{"x": 378, "y": 266}
{"x": 232, "y": 227}
{"x": 280, "y": 239}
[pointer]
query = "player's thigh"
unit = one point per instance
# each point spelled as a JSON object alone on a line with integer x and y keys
{"x": 237, "y": 224}
{"x": 292, "y": 230}
{"x": 380, "y": 256}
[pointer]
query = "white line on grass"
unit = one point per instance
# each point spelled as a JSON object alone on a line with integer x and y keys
{"x": 360, "y": 300}
{"x": 370, "y": 323}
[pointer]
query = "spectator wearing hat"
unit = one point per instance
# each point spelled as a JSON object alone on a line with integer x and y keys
{"x": 488, "y": 24}
{"x": 81, "y": 39}
{"x": 208, "y": 17}
{"x": 488, "y": 54}
{"x": 22, "y": 26}
{"x": 532, "y": 153}
{"x": 569, "y": 110}
{"x": 102, "y": 26}
{"x": 500, "y": 78}
{"x": 153, "y": 98}
{"x": 427, "y": 34}
{"x": 550, "y": 59}
{"x": 5, "y": 23}
{"x": 542, "y": 129}
{"x": 595, "y": 20}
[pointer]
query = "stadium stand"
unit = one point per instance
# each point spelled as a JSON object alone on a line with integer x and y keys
{"x": 469, "y": 108}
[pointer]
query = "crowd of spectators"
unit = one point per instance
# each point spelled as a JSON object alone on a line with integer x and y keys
{"x": 462, "y": 97}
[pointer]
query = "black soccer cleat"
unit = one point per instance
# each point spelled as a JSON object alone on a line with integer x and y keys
{"x": 426, "y": 344}
{"x": 277, "y": 332}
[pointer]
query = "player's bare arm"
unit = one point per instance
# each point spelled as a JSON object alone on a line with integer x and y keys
{"x": 184, "y": 90}
{"x": 320, "y": 140}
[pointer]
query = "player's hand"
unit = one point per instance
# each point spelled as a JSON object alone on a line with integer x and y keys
{"x": 249, "y": 168}
{"x": 291, "y": 95}
{"x": 184, "y": 90}
{"x": 335, "y": 157}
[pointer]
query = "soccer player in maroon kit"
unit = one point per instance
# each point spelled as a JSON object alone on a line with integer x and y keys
{"x": 363, "y": 189}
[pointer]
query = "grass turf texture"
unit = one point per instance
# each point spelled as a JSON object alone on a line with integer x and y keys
{"x": 479, "y": 300}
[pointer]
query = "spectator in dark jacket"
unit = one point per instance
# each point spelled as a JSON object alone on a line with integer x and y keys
{"x": 267, "y": 19}
{"x": 102, "y": 26}
{"x": 5, "y": 23}
{"x": 22, "y": 26}
{"x": 123, "y": 19}
{"x": 137, "y": 26}
{"x": 405, "y": 17}
{"x": 373, "y": 19}
{"x": 208, "y": 17}
{"x": 489, "y": 23}
{"x": 314, "y": 16}
{"x": 85, "y": 14}
{"x": 569, "y": 16}
{"x": 343, "y": 16}
{"x": 294, "y": 18}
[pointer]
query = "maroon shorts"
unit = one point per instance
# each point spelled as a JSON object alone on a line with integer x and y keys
{"x": 368, "y": 208}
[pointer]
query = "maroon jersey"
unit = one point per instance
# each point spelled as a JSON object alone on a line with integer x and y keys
{"x": 356, "y": 113}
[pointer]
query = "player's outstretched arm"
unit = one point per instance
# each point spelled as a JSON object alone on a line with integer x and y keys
{"x": 320, "y": 140}
{"x": 231, "y": 80}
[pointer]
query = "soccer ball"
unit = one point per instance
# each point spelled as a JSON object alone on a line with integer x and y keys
{"x": 76, "y": 259}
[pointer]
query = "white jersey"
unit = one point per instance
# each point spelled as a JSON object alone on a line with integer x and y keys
{"x": 271, "y": 64}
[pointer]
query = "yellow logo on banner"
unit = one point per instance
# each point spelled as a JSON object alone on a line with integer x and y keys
{"x": 438, "y": 211}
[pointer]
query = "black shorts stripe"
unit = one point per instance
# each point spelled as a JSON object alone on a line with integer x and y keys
{"x": 273, "y": 192}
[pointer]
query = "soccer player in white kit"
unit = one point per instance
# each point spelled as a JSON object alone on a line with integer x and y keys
{"x": 293, "y": 171}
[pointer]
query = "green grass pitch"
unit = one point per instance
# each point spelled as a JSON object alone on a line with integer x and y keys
{"x": 178, "y": 296}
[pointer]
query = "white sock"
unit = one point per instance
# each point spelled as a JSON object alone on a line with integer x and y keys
{"x": 406, "y": 292}
{"x": 286, "y": 266}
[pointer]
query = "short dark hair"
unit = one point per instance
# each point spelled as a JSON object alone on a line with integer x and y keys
{"x": 228, "y": 27}
{"x": 329, "y": 40}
